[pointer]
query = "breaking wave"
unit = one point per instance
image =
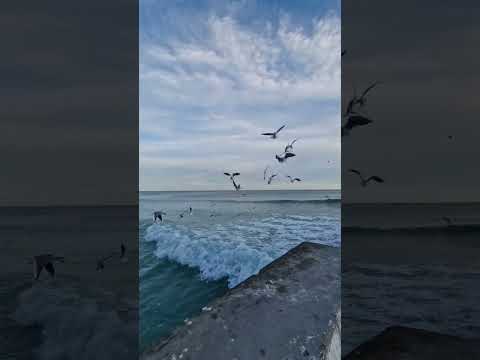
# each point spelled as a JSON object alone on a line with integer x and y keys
{"x": 237, "y": 251}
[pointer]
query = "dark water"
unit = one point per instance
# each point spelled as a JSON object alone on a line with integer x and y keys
{"x": 405, "y": 265}
{"x": 186, "y": 262}
{"x": 80, "y": 314}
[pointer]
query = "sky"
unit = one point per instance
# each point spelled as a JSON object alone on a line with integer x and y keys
{"x": 428, "y": 72}
{"x": 214, "y": 75}
{"x": 69, "y": 128}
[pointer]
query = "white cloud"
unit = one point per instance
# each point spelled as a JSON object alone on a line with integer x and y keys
{"x": 212, "y": 98}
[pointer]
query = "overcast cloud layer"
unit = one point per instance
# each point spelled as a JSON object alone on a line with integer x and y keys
{"x": 219, "y": 75}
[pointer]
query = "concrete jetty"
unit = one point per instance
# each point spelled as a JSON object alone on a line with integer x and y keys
{"x": 290, "y": 310}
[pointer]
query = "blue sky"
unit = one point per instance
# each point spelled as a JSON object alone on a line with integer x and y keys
{"x": 216, "y": 74}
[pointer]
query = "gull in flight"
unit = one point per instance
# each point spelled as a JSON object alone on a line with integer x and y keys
{"x": 274, "y": 134}
{"x": 271, "y": 178}
{"x": 232, "y": 175}
{"x": 189, "y": 210}
{"x": 364, "y": 181}
{"x": 45, "y": 261}
{"x": 284, "y": 157}
{"x": 359, "y": 100}
{"x": 265, "y": 173}
{"x": 354, "y": 121}
{"x": 292, "y": 180}
{"x": 158, "y": 215}
{"x": 289, "y": 147}
{"x": 102, "y": 261}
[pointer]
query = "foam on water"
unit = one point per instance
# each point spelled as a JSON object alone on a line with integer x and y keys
{"x": 238, "y": 250}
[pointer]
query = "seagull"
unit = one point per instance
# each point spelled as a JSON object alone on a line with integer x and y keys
{"x": 265, "y": 173}
{"x": 158, "y": 215}
{"x": 101, "y": 262}
{"x": 274, "y": 134}
{"x": 289, "y": 147}
{"x": 189, "y": 210}
{"x": 232, "y": 175}
{"x": 292, "y": 180}
{"x": 364, "y": 181}
{"x": 362, "y": 99}
{"x": 271, "y": 178}
{"x": 285, "y": 156}
{"x": 45, "y": 261}
{"x": 354, "y": 121}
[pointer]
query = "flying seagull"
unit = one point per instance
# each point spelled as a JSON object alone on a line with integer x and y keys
{"x": 289, "y": 147}
{"x": 284, "y": 157}
{"x": 364, "y": 181}
{"x": 158, "y": 215}
{"x": 189, "y": 210}
{"x": 45, "y": 261}
{"x": 232, "y": 175}
{"x": 292, "y": 180}
{"x": 354, "y": 121}
{"x": 362, "y": 99}
{"x": 271, "y": 178}
{"x": 265, "y": 173}
{"x": 101, "y": 262}
{"x": 359, "y": 100}
{"x": 274, "y": 134}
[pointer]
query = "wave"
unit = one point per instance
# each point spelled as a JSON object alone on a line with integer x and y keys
{"x": 240, "y": 250}
{"x": 414, "y": 228}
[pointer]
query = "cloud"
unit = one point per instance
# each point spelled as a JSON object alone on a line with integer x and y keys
{"x": 204, "y": 100}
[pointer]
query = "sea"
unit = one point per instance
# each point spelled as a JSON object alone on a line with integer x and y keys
{"x": 187, "y": 261}
{"x": 82, "y": 313}
{"x": 413, "y": 265}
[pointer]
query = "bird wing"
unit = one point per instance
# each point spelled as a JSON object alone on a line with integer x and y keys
{"x": 375, "y": 178}
{"x": 269, "y": 134}
{"x": 265, "y": 173}
{"x": 228, "y": 174}
{"x": 297, "y": 179}
{"x": 49, "y": 267}
{"x": 288, "y": 155}
{"x": 37, "y": 269}
{"x": 293, "y": 142}
{"x": 368, "y": 89}
{"x": 356, "y": 172}
{"x": 236, "y": 174}
{"x": 279, "y": 129}
{"x": 288, "y": 176}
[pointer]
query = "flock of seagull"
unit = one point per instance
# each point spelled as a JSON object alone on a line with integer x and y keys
{"x": 46, "y": 261}
{"x": 355, "y": 118}
{"x": 281, "y": 158}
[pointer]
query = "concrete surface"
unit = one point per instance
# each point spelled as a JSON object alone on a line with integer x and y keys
{"x": 290, "y": 310}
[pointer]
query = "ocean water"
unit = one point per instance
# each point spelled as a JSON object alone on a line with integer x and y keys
{"x": 403, "y": 264}
{"x": 81, "y": 313}
{"x": 186, "y": 262}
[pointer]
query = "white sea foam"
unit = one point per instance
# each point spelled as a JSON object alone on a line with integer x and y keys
{"x": 238, "y": 250}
